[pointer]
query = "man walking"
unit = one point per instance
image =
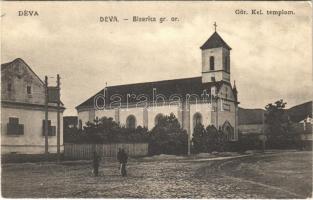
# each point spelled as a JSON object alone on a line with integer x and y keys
{"x": 122, "y": 157}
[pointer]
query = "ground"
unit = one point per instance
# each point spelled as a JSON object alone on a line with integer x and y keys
{"x": 284, "y": 174}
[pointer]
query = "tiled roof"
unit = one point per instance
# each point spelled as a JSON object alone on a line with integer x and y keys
{"x": 215, "y": 41}
{"x": 167, "y": 88}
{"x": 299, "y": 112}
{"x": 19, "y": 61}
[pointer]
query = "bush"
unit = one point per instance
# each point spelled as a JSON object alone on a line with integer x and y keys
{"x": 105, "y": 130}
{"x": 208, "y": 140}
{"x": 249, "y": 142}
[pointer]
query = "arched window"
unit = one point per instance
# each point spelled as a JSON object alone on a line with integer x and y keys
{"x": 228, "y": 130}
{"x": 197, "y": 119}
{"x": 211, "y": 62}
{"x": 229, "y": 135}
{"x": 157, "y": 118}
{"x": 131, "y": 122}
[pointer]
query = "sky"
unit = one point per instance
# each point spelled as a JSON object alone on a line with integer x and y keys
{"x": 271, "y": 55}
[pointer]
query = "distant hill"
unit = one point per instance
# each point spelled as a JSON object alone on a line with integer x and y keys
{"x": 254, "y": 116}
{"x": 300, "y": 112}
{"x": 250, "y": 116}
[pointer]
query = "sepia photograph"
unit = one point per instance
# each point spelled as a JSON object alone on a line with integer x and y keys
{"x": 148, "y": 99}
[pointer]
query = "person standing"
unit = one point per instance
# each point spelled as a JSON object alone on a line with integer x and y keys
{"x": 95, "y": 163}
{"x": 124, "y": 158}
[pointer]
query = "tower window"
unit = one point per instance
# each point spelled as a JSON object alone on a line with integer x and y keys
{"x": 225, "y": 64}
{"x": 29, "y": 89}
{"x": 211, "y": 62}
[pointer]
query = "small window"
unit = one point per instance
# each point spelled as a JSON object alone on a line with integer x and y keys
{"x": 51, "y": 129}
{"x": 9, "y": 87}
{"x": 13, "y": 120}
{"x": 29, "y": 89}
{"x": 49, "y": 122}
{"x": 14, "y": 128}
{"x": 212, "y": 63}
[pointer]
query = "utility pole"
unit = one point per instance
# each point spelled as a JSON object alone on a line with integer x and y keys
{"x": 46, "y": 115}
{"x": 185, "y": 113}
{"x": 58, "y": 116}
{"x": 217, "y": 113}
{"x": 263, "y": 134}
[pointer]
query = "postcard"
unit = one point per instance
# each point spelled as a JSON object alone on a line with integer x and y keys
{"x": 156, "y": 99}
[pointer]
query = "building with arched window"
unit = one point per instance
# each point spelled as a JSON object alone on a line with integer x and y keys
{"x": 156, "y": 98}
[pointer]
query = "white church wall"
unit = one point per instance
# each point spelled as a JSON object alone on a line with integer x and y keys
{"x": 137, "y": 112}
{"x": 226, "y": 111}
{"x": 105, "y": 113}
{"x": 206, "y": 77}
{"x": 227, "y": 115}
{"x": 165, "y": 110}
{"x": 205, "y": 112}
{"x": 83, "y": 116}
{"x": 226, "y": 89}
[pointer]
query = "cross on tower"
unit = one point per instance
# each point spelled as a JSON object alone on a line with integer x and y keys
{"x": 215, "y": 25}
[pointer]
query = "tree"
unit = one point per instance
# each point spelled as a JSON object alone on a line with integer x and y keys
{"x": 279, "y": 129}
{"x": 167, "y": 137}
{"x": 213, "y": 138}
{"x": 199, "y": 139}
{"x": 222, "y": 140}
{"x": 208, "y": 140}
{"x": 275, "y": 119}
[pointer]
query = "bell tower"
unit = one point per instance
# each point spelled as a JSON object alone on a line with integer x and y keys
{"x": 215, "y": 59}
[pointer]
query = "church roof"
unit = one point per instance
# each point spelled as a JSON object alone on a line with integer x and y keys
{"x": 215, "y": 41}
{"x": 180, "y": 87}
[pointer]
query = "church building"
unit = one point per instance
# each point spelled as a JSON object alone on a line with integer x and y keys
{"x": 209, "y": 99}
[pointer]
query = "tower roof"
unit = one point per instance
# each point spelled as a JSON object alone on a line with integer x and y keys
{"x": 215, "y": 41}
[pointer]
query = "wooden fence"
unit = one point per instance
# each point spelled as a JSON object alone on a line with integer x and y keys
{"x": 85, "y": 151}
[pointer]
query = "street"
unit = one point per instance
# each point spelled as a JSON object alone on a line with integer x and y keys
{"x": 282, "y": 174}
